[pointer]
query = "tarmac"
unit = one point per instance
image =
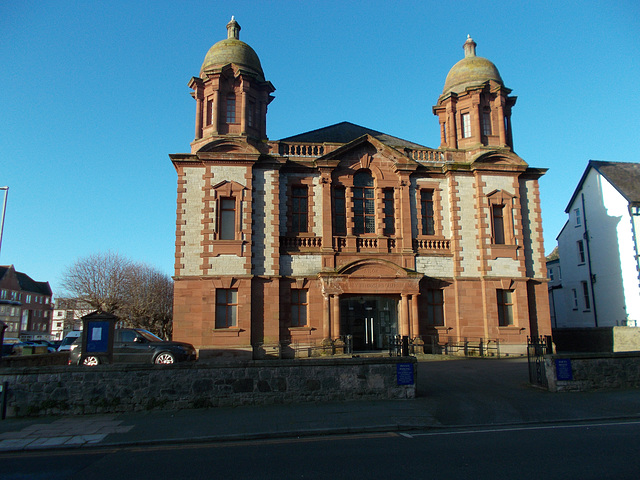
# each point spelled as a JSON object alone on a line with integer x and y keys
{"x": 452, "y": 394}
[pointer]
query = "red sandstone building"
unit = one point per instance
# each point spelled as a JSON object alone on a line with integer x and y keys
{"x": 346, "y": 231}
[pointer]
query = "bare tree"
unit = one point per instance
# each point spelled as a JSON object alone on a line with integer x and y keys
{"x": 138, "y": 294}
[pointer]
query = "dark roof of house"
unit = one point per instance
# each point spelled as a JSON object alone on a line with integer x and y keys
{"x": 346, "y": 132}
{"x": 27, "y": 284}
{"x": 624, "y": 176}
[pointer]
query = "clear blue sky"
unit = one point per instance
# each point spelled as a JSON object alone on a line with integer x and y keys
{"x": 94, "y": 97}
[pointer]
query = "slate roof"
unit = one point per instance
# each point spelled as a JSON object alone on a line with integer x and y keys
{"x": 27, "y": 284}
{"x": 346, "y": 132}
{"x": 624, "y": 176}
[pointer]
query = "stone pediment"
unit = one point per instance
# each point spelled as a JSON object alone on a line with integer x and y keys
{"x": 362, "y": 151}
{"x": 228, "y": 146}
{"x": 373, "y": 268}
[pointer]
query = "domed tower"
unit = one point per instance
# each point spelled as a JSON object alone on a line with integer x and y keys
{"x": 231, "y": 92}
{"x": 475, "y": 107}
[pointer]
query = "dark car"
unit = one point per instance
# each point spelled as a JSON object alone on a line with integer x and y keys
{"x": 135, "y": 345}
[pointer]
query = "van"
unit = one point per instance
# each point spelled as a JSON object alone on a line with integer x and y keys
{"x": 71, "y": 337}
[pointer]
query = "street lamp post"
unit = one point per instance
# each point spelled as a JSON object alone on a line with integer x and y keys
{"x": 4, "y": 209}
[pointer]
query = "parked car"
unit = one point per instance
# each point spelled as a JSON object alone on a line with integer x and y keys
{"x": 135, "y": 345}
{"x": 71, "y": 337}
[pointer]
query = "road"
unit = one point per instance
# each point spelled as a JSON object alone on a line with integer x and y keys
{"x": 586, "y": 451}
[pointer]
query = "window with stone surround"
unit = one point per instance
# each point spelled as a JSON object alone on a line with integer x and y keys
{"x": 466, "y": 125}
{"x": 501, "y": 206}
{"x": 339, "y": 211}
{"x": 227, "y": 218}
{"x": 226, "y": 307}
{"x": 364, "y": 211}
{"x": 299, "y": 209}
{"x": 388, "y": 211}
{"x": 231, "y": 108}
{"x": 505, "y": 308}
{"x": 299, "y": 305}
{"x": 435, "y": 307}
{"x": 486, "y": 123}
{"x": 427, "y": 211}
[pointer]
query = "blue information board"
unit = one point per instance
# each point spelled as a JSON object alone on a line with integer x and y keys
{"x": 404, "y": 373}
{"x": 97, "y": 337}
{"x": 563, "y": 369}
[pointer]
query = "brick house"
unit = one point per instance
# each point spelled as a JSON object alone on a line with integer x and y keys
{"x": 25, "y": 305}
{"x": 346, "y": 232}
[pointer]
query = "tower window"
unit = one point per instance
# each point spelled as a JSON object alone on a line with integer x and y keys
{"x": 209, "y": 119}
{"x": 227, "y": 219}
{"x": 466, "y": 125}
{"x": 497, "y": 213}
{"x": 231, "y": 109}
{"x": 486, "y": 123}
{"x": 251, "y": 117}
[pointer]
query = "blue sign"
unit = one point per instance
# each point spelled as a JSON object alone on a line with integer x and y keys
{"x": 404, "y": 373}
{"x": 97, "y": 337}
{"x": 563, "y": 369}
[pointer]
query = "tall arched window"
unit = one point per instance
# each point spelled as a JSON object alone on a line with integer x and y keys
{"x": 231, "y": 108}
{"x": 364, "y": 211}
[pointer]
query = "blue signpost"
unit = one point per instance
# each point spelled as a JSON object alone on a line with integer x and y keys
{"x": 97, "y": 336}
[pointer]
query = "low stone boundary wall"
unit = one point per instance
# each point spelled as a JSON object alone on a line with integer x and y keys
{"x": 80, "y": 390}
{"x": 584, "y": 372}
{"x": 38, "y": 360}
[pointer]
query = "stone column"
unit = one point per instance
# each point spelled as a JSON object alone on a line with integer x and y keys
{"x": 415, "y": 323}
{"x": 335, "y": 317}
{"x": 404, "y": 315}
{"x": 243, "y": 112}
{"x": 501, "y": 126}
{"x": 326, "y": 317}
{"x": 215, "y": 112}
{"x": 199, "y": 115}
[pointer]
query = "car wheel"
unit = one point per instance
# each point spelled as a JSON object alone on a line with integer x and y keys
{"x": 91, "y": 361}
{"x": 165, "y": 358}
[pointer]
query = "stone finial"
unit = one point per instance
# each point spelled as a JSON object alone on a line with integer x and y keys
{"x": 233, "y": 29}
{"x": 469, "y": 47}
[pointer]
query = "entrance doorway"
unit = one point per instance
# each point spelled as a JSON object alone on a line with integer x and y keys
{"x": 370, "y": 320}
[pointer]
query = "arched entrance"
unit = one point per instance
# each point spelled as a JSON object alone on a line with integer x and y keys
{"x": 370, "y": 320}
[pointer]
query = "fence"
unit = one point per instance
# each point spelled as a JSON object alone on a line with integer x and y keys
{"x": 537, "y": 348}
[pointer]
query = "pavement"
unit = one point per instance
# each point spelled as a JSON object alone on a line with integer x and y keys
{"x": 460, "y": 393}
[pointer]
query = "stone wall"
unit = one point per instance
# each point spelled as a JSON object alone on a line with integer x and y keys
{"x": 597, "y": 339}
{"x": 596, "y": 371}
{"x": 80, "y": 390}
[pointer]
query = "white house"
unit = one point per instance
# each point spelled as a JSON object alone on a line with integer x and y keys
{"x": 596, "y": 282}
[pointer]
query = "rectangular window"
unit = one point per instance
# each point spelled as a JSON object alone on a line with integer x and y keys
{"x": 227, "y": 219}
{"x": 209, "y": 114}
{"x": 363, "y": 210}
{"x": 231, "y": 109}
{"x": 466, "y": 125}
{"x": 339, "y": 211}
{"x": 581, "y": 257}
{"x": 486, "y": 123}
{"x": 505, "y": 308}
{"x": 299, "y": 307}
{"x": 427, "y": 210}
{"x": 435, "y": 310}
{"x": 299, "y": 209}
{"x": 551, "y": 275}
{"x": 251, "y": 114}
{"x": 585, "y": 294}
{"x": 497, "y": 214}
{"x": 574, "y": 295}
{"x": 389, "y": 219}
{"x": 578, "y": 216}
{"x": 226, "y": 307}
